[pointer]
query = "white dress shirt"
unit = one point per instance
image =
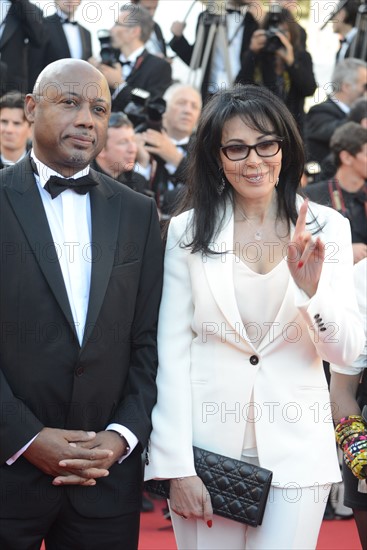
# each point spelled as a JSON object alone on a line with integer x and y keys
{"x": 234, "y": 29}
{"x": 4, "y": 8}
{"x": 348, "y": 39}
{"x": 73, "y": 37}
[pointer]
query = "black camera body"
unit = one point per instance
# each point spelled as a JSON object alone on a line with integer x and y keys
{"x": 145, "y": 113}
{"x": 109, "y": 54}
{"x": 273, "y": 43}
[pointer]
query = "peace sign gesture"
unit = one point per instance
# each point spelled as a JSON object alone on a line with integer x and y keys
{"x": 305, "y": 255}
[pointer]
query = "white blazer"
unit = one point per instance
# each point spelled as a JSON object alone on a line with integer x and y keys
{"x": 208, "y": 367}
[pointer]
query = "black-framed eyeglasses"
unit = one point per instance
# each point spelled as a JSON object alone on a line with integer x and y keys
{"x": 240, "y": 151}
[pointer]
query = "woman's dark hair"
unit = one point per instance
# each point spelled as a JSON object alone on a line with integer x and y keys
{"x": 285, "y": 17}
{"x": 260, "y": 110}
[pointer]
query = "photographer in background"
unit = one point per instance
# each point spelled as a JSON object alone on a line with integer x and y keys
{"x": 348, "y": 84}
{"x": 118, "y": 156}
{"x": 136, "y": 68}
{"x": 296, "y": 10}
{"x": 239, "y": 18}
{"x": 15, "y": 130}
{"x": 344, "y": 25}
{"x": 346, "y": 192}
{"x": 162, "y": 155}
{"x": 276, "y": 59}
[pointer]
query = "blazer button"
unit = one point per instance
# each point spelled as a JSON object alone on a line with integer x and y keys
{"x": 79, "y": 371}
{"x": 254, "y": 360}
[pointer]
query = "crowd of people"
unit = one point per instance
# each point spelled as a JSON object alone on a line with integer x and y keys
{"x": 181, "y": 265}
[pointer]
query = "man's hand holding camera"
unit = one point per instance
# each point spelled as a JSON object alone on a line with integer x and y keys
{"x": 160, "y": 144}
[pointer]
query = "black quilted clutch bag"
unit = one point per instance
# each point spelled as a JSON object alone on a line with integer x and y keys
{"x": 238, "y": 490}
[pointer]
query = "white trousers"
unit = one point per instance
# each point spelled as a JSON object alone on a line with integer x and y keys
{"x": 292, "y": 521}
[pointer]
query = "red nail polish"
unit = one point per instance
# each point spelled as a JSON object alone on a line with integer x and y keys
{"x": 209, "y": 523}
{"x": 300, "y": 264}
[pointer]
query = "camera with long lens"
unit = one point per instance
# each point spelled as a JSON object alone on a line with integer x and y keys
{"x": 273, "y": 42}
{"x": 145, "y": 113}
{"x": 109, "y": 54}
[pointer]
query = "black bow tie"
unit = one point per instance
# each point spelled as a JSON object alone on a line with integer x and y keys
{"x": 63, "y": 21}
{"x": 123, "y": 63}
{"x": 56, "y": 185}
{"x": 232, "y": 10}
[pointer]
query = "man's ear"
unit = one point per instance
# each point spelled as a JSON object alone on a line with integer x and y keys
{"x": 30, "y": 107}
{"x": 346, "y": 158}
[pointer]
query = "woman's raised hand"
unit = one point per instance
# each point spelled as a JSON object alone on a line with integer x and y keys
{"x": 305, "y": 255}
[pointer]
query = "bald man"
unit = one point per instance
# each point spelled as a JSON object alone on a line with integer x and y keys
{"x": 79, "y": 292}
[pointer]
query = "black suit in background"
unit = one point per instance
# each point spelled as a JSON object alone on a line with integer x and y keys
{"x": 149, "y": 73}
{"x": 355, "y": 49}
{"x": 46, "y": 377}
{"x": 184, "y": 50}
{"x": 24, "y": 21}
{"x": 165, "y": 186}
{"x": 160, "y": 39}
{"x": 55, "y": 46}
{"x": 320, "y": 123}
{"x": 355, "y": 205}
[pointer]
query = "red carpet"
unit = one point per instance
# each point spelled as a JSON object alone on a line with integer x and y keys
{"x": 156, "y": 533}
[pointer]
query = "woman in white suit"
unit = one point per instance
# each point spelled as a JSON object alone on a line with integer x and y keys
{"x": 258, "y": 289}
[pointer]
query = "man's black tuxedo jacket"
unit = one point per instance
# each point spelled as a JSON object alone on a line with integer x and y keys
{"x": 355, "y": 49}
{"x": 320, "y": 123}
{"x": 150, "y": 73}
{"x": 55, "y": 46}
{"x": 24, "y": 21}
{"x": 184, "y": 50}
{"x": 160, "y": 38}
{"x": 46, "y": 378}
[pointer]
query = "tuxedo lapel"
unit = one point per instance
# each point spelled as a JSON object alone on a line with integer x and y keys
{"x": 86, "y": 53}
{"x": 137, "y": 66}
{"x": 25, "y": 199}
{"x": 105, "y": 211}
{"x": 250, "y": 25}
{"x": 10, "y": 26}
{"x": 58, "y": 37}
{"x": 160, "y": 38}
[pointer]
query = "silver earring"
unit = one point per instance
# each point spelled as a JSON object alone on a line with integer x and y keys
{"x": 276, "y": 183}
{"x": 222, "y": 184}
